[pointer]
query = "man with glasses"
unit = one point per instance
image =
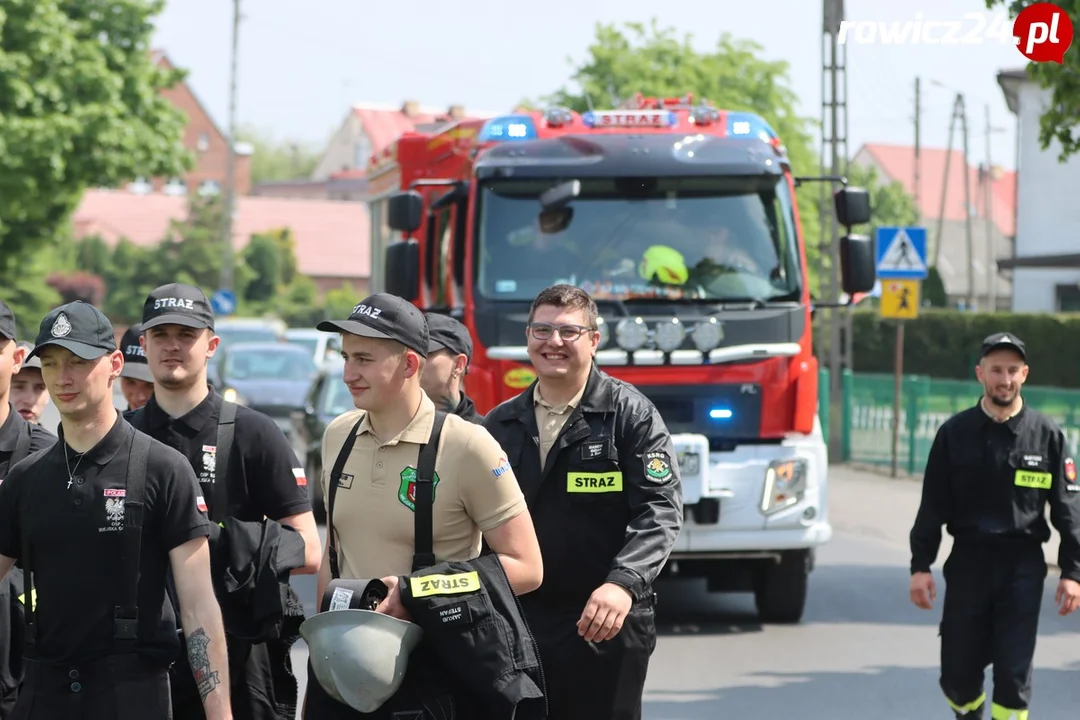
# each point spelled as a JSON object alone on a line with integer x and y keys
{"x": 598, "y": 469}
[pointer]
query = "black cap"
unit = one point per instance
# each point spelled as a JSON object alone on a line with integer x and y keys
{"x": 998, "y": 341}
{"x": 79, "y": 327}
{"x": 177, "y": 304}
{"x": 7, "y": 321}
{"x": 136, "y": 366}
{"x": 444, "y": 332}
{"x": 385, "y": 316}
{"x": 29, "y": 362}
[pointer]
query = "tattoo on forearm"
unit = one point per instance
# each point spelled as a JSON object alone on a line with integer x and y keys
{"x": 205, "y": 678}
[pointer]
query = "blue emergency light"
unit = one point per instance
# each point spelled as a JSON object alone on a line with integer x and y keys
{"x": 508, "y": 128}
{"x": 749, "y": 125}
{"x": 721, "y": 413}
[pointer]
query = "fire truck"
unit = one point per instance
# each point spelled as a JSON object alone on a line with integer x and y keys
{"x": 680, "y": 220}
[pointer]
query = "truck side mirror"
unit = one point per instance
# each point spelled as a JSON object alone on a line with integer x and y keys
{"x": 403, "y": 269}
{"x": 405, "y": 211}
{"x": 852, "y": 206}
{"x": 858, "y": 264}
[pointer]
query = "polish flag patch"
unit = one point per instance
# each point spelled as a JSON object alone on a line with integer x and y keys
{"x": 200, "y": 503}
{"x": 115, "y": 492}
{"x": 301, "y": 477}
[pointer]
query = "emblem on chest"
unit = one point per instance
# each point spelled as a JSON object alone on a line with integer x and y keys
{"x": 407, "y": 489}
{"x": 209, "y": 464}
{"x": 114, "y": 510}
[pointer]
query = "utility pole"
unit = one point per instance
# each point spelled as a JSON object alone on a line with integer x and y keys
{"x": 918, "y": 115}
{"x": 945, "y": 183}
{"x": 967, "y": 206}
{"x": 229, "y": 207}
{"x": 988, "y": 207}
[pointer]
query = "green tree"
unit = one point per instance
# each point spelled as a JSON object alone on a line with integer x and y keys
{"x": 263, "y": 256}
{"x": 339, "y": 302}
{"x": 890, "y": 203}
{"x": 1062, "y": 117}
{"x": 275, "y": 159}
{"x": 733, "y": 75}
{"x": 79, "y": 106}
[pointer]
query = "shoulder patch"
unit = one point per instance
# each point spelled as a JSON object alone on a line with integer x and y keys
{"x": 657, "y": 466}
{"x": 1070, "y": 470}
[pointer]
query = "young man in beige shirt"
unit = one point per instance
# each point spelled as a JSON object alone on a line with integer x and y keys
{"x": 476, "y": 496}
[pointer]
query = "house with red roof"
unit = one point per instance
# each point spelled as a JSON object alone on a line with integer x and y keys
{"x": 1046, "y": 265}
{"x": 992, "y": 210}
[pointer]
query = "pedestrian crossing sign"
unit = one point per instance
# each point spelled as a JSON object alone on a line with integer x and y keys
{"x": 901, "y": 253}
{"x": 900, "y": 299}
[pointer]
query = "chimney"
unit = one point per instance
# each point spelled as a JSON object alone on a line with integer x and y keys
{"x": 456, "y": 112}
{"x": 410, "y": 108}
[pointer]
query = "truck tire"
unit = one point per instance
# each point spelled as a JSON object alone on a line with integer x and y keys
{"x": 780, "y": 589}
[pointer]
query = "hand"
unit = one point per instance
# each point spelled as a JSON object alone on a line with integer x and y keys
{"x": 604, "y": 613}
{"x": 1068, "y": 596}
{"x": 391, "y": 604}
{"x": 922, "y": 591}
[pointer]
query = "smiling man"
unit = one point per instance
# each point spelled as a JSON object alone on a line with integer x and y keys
{"x": 598, "y": 467}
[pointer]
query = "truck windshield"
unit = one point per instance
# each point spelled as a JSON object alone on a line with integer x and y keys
{"x": 711, "y": 239}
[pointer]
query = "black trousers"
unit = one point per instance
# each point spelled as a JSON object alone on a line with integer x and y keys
{"x": 593, "y": 681}
{"x": 993, "y": 596}
{"x": 12, "y": 621}
{"x": 261, "y": 684}
{"x": 121, "y": 687}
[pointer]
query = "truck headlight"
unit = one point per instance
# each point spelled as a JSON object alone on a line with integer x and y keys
{"x": 669, "y": 334}
{"x": 605, "y": 332}
{"x": 707, "y": 334}
{"x": 631, "y": 333}
{"x": 785, "y": 483}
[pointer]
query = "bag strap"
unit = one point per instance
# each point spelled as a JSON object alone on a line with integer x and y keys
{"x": 22, "y": 445}
{"x": 335, "y": 477}
{"x": 126, "y": 619}
{"x": 423, "y": 523}
{"x": 226, "y": 431}
{"x": 26, "y": 561}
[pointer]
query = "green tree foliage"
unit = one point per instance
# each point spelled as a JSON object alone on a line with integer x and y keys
{"x": 1062, "y": 118}
{"x": 263, "y": 256}
{"x": 275, "y": 159}
{"x": 79, "y": 107}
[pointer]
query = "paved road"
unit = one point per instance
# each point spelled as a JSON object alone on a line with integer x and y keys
{"x": 863, "y": 651}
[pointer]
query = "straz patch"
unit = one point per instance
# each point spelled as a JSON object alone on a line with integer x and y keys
{"x": 456, "y": 584}
{"x": 407, "y": 488}
{"x": 1070, "y": 470}
{"x": 301, "y": 478}
{"x": 594, "y": 482}
{"x": 1033, "y": 479}
{"x": 345, "y": 481}
{"x": 657, "y": 466}
{"x": 592, "y": 451}
{"x": 502, "y": 469}
{"x": 209, "y": 464}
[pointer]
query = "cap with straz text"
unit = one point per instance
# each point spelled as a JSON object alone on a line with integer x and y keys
{"x": 177, "y": 304}
{"x": 387, "y": 317}
{"x": 136, "y": 366}
{"x": 1001, "y": 341}
{"x": 79, "y": 327}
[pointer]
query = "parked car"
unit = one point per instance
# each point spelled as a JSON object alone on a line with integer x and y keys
{"x": 233, "y": 331}
{"x": 323, "y": 345}
{"x": 272, "y": 378}
{"x": 327, "y": 399}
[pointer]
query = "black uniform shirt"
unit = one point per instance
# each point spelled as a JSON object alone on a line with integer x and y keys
{"x": 987, "y": 479}
{"x": 265, "y": 478}
{"x": 77, "y": 544}
{"x": 40, "y": 438}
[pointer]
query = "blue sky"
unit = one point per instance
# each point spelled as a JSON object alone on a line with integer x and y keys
{"x": 302, "y": 64}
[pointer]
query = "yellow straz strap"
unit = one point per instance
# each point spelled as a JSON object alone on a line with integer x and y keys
{"x": 444, "y": 584}
{"x": 33, "y": 598}
{"x": 1032, "y": 479}
{"x": 594, "y": 482}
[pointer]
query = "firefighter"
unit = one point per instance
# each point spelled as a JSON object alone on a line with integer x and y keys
{"x": 29, "y": 396}
{"x": 449, "y": 354}
{"x": 263, "y": 479}
{"x": 991, "y": 472}
{"x": 374, "y": 453}
{"x": 136, "y": 382}
{"x": 598, "y": 468}
{"x": 19, "y": 437}
{"x": 98, "y": 520}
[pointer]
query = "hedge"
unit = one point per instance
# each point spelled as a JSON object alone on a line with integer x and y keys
{"x": 945, "y": 343}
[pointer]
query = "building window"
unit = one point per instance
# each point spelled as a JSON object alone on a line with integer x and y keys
{"x": 1068, "y": 298}
{"x": 209, "y": 187}
{"x": 176, "y": 187}
{"x": 362, "y": 152}
{"x": 204, "y": 142}
{"x": 140, "y": 187}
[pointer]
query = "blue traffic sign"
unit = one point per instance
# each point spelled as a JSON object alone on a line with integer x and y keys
{"x": 901, "y": 253}
{"x": 223, "y": 302}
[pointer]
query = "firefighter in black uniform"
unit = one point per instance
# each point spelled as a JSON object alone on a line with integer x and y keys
{"x": 992, "y": 469}
{"x": 449, "y": 353}
{"x": 597, "y": 466}
{"x": 264, "y": 479}
{"x": 97, "y": 521}
{"x": 136, "y": 382}
{"x": 18, "y": 439}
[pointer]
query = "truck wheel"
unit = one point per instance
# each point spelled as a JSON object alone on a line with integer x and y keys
{"x": 780, "y": 589}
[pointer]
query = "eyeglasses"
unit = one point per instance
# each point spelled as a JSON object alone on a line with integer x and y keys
{"x": 569, "y": 333}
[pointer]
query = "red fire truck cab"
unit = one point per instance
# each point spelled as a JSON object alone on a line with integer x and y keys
{"x": 680, "y": 220}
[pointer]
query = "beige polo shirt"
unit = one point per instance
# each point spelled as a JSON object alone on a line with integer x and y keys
{"x": 550, "y": 420}
{"x": 475, "y": 491}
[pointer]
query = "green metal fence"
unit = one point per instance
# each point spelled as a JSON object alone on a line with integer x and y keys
{"x": 866, "y": 414}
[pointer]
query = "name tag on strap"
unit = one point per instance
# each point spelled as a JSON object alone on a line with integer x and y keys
{"x": 430, "y": 585}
